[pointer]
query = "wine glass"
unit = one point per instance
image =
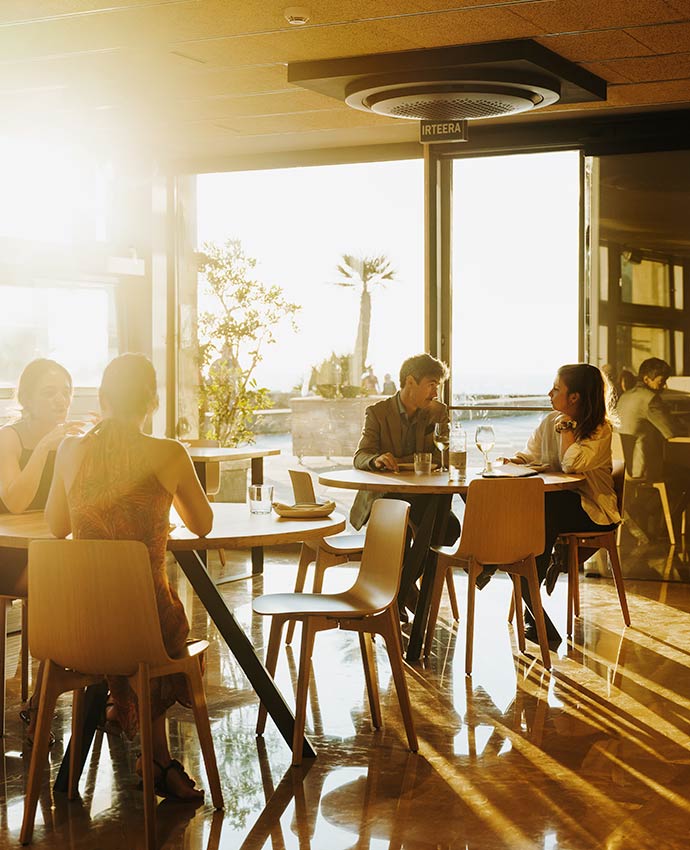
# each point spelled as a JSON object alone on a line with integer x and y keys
{"x": 485, "y": 439}
{"x": 442, "y": 440}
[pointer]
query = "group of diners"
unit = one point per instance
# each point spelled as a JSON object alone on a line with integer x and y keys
{"x": 110, "y": 480}
{"x": 106, "y": 481}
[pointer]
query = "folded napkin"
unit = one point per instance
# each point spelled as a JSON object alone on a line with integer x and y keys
{"x": 316, "y": 509}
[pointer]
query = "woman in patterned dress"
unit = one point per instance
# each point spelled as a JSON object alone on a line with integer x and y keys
{"x": 118, "y": 483}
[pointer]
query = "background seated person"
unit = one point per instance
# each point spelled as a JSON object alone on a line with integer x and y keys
{"x": 397, "y": 427}
{"x": 575, "y": 438}
{"x": 118, "y": 483}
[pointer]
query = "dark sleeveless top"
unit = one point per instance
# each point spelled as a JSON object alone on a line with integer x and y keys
{"x": 39, "y": 500}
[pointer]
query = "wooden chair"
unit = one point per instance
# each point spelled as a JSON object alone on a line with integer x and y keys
{"x": 5, "y": 604}
{"x": 369, "y": 607}
{"x": 504, "y": 527}
{"x": 93, "y": 613}
{"x": 628, "y": 444}
{"x": 338, "y": 549}
{"x": 327, "y": 552}
{"x": 594, "y": 540}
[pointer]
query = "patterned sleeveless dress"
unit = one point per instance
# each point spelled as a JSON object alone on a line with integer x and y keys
{"x": 116, "y": 496}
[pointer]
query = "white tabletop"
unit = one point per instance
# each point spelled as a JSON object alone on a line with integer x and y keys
{"x": 217, "y": 454}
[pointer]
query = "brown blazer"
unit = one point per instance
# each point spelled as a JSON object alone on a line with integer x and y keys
{"x": 382, "y": 432}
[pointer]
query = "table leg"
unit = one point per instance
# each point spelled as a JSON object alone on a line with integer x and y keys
{"x": 439, "y": 509}
{"x": 241, "y": 647}
{"x": 257, "y": 477}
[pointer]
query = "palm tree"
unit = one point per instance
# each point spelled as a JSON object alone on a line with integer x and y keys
{"x": 364, "y": 272}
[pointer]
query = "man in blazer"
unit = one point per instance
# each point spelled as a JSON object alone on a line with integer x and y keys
{"x": 399, "y": 426}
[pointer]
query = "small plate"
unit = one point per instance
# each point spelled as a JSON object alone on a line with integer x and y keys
{"x": 317, "y": 511}
{"x": 409, "y": 467}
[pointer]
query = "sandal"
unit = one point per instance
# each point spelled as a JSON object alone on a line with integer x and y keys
{"x": 161, "y": 784}
{"x": 26, "y": 715}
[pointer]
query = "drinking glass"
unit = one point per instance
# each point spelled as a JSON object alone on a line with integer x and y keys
{"x": 422, "y": 463}
{"x": 485, "y": 439}
{"x": 260, "y": 498}
{"x": 442, "y": 441}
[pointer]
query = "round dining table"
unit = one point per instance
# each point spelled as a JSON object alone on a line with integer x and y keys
{"x": 440, "y": 491}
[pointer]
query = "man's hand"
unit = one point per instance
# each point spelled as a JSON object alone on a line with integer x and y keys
{"x": 386, "y": 461}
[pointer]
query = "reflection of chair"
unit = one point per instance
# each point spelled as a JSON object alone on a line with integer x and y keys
{"x": 503, "y": 526}
{"x": 327, "y": 552}
{"x": 628, "y": 443}
{"x": 93, "y": 613}
{"x": 369, "y": 607}
{"x": 594, "y": 540}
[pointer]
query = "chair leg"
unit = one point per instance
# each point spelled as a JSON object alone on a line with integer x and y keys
{"x": 511, "y": 609}
{"x": 306, "y": 556}
{"x": 366, "y": 646}
{"x": 324, "y": 560}
{"x": 25, "y": 650}
{"x": 221, "y": 555}
{"x": 434, "y": 604}
{"x": 452, "y": 596}
{"x": 203, "y": 728}
{"x": 573, "y": 589}
{"x": 660, "y": 487}
{"x": 516, "y": 605}
{"x": 4, "y": 605}
{"x": 576, "y": 575}
{"x": 308, "y": 633}
{"x": 618, "y": 578}
{"x": 390, "y": 630}
{"x": 143, "y": 688}
{"x": 472, "y": 573}
{"x": 271, "y": 663}
{"x": 75, "y": 743}
{"x": 39, "y": 754}
{"x": 535, "y": 595}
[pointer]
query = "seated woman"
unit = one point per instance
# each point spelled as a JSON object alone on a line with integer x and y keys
{"x": 27, "y": 457}
{"x": 575, "y": 438}
{"x": 118, "y": 483}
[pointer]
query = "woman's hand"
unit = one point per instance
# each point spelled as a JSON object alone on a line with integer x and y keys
{"x": 53, "y": 438}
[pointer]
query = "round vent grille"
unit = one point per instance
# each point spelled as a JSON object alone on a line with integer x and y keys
{"x": 451, "y": 101}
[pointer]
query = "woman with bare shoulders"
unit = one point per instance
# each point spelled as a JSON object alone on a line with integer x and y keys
{"x": 118, "y": 483}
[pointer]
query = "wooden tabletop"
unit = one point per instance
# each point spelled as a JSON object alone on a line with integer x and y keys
{"x": 216, "y": 454}
{"x": 233, "y": 528}
{"x": 435, "y": 482}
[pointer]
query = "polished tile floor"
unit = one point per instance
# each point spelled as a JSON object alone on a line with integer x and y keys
{"x": 594, "y": 754}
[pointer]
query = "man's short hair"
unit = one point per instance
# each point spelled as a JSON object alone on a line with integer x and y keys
{"x": 652, "y": 367}
{"x": 423, "y": 366}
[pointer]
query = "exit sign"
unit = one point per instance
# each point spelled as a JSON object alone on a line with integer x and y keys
{"x": 431, "y": 132}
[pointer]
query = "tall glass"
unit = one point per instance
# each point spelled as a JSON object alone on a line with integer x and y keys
{"x": 485, "y": 439}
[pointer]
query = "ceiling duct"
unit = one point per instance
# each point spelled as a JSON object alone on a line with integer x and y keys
{"x": 471, "y": 82}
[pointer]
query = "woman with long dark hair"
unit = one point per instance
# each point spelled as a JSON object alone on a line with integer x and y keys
{"x": 117, "y": 482}
{"x": 575, "y": 438}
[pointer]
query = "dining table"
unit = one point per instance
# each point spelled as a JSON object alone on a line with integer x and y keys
{"x": 234, "y": 527}
{"x": 203, "y": 455}
{"x": 420, "y": 558}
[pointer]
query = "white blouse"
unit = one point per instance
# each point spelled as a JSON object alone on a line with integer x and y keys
{"x": 590, "y": 457}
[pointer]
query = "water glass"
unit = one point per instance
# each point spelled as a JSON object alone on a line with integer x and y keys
{"x": 422, "y": 463}
{"x": 260, "y": 498}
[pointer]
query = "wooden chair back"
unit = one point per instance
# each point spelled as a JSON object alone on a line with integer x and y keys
{"x": 504, "y": 520}
{"x": 93, "y": 606}
{"x": 302, "y": 487}
{"x": 384, "y": 546}
{"x": 628, "y": 447}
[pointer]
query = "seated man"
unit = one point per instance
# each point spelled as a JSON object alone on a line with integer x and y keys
{"x": 397, "y": 427}
{"x": 646, "y": 421}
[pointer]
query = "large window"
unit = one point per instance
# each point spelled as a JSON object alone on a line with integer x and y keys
{"x": 515, "y": 283}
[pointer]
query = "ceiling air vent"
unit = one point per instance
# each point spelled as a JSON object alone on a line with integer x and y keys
{"x": 471, "y": 82}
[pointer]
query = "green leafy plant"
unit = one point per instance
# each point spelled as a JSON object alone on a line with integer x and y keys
{"x": 232, "y": 337}
{"x": 363, "y": 273}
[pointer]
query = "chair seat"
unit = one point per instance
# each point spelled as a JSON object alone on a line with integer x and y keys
{"x": 345, "y": 544}
{"x": 345, "y": 604}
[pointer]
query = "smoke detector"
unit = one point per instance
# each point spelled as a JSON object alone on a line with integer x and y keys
{"x": 471, "y": 82}
{"x": 298, "y": 16}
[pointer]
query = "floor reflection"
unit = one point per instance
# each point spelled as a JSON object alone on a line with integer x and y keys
{"x": 594, "y": 754}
